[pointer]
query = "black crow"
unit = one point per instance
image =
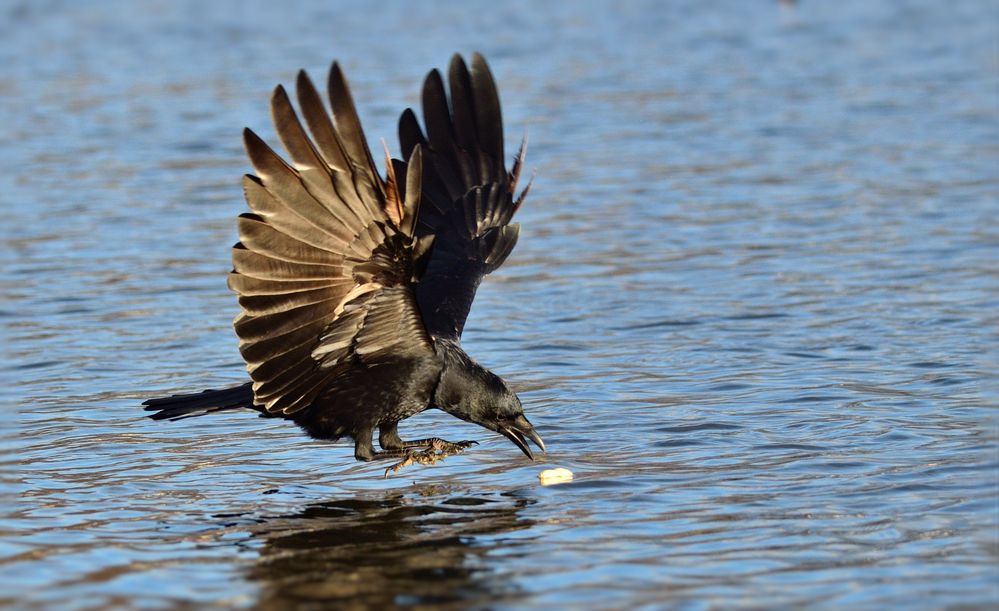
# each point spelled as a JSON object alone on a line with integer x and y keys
{"x": 354, "y": 289}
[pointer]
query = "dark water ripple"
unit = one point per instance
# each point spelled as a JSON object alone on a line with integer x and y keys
{"x": 753, "y": 309}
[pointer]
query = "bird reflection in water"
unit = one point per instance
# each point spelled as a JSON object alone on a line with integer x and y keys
{"x": 381, "y": 553}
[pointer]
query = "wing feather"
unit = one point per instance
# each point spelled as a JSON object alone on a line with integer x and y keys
{"x": 366, "y": 180}
{"x": 447, "y": 164}
{"x": 275, "y": 345}
{"x": 263, "y": 238}
{"x": 410, "y": 133}
{"x": 261, "y": 305}
{"x": 467, "y": 194}
{"x": 292, "y": 135}
{"x": 488, "y": 117}
{"x": 254, "y": 328}
{"x": 462, "y": 107}
{"x": 286, "y": 184}
{"x": 262, "y": 267}
{"x": 253, "y": 287}
{"x": 323, "y": 132}
{"x": 325, "y": 264}
{"x": 276, "y": 213}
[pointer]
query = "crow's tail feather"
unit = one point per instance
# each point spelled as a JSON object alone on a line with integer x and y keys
{"x": 176, "y": 407}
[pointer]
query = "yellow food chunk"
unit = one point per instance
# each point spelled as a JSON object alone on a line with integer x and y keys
{"x": 555, "y": 476}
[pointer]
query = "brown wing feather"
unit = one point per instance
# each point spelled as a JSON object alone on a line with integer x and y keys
{"x": 324, "y": 266}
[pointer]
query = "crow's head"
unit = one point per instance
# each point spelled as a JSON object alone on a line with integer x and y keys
{"x": 506, "y": 417}
{"x": 475, "y": 394}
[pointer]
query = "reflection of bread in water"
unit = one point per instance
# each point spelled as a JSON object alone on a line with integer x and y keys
{"x": 555, "y": 476}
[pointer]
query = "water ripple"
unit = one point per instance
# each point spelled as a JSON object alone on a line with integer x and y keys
{"x": 749, "y": 309}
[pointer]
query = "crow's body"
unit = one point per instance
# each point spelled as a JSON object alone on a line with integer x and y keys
{"x": 354, "y": 289}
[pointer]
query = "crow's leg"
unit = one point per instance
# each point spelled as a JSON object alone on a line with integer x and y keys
{"x": 388, "y": 439}
{"x": 364, "y": 450}
{"x": 388, "y": 436}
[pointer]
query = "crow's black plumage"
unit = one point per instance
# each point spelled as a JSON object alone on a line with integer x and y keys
{"x": 354, "y": 289}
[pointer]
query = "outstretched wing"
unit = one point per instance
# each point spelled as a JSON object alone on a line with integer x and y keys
{"x": 325, "y": 264}
{"x": 468, "y": 196}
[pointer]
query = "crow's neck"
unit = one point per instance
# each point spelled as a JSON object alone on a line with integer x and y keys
{"x": 464, "y": 387}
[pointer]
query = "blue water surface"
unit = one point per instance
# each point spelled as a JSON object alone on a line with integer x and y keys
{"x": 753, "y": 308}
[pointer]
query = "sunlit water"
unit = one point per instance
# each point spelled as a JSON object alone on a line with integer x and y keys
{"x": 753, "y": 308}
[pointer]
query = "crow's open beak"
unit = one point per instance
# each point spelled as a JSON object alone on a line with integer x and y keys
{"x": 519, "y": 431}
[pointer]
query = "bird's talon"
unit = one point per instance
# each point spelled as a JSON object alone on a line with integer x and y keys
{"x": 427, "y": 458}
{"x": 450, "y": 448}
{"x": 437, "y": 450}
{"x": 405, "y": 462}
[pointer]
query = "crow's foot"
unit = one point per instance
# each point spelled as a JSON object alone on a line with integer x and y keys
{"x": 448, "y": 448}
{"x": 436, "y": 450}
